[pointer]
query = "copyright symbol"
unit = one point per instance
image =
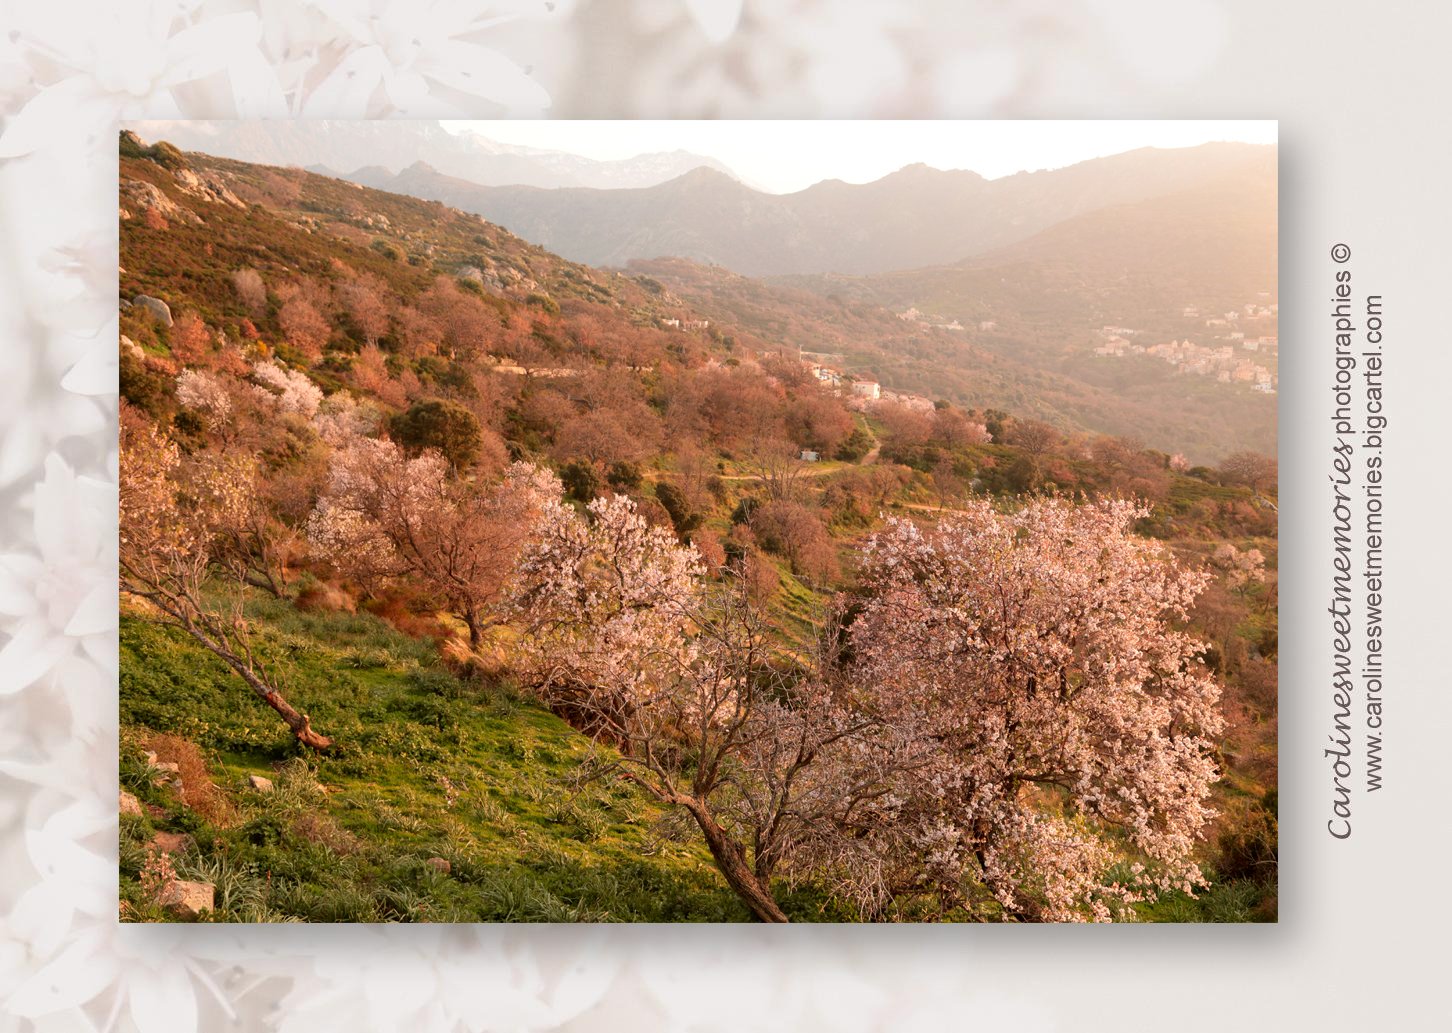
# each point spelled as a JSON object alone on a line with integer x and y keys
{"x": 1340, "y": 254}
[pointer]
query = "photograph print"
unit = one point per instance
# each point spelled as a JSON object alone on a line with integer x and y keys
{"x": 698, "y": 522}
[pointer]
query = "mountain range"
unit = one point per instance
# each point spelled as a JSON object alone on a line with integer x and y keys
{"x": 376, "y": 149}
{"x": 915, "y": 217}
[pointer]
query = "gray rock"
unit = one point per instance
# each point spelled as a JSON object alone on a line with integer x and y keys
{"x": 129, "y": 804}
{"x": 188, "y": 899}
{"x": 158, "y": 309}
{"x": 261, "y": 784}
{"x": 207, "y": 186}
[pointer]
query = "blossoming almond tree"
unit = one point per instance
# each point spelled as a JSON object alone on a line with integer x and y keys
{"x": 176, "y": 532}
{"x": 1074, "y": 723}
{"x": 622, "y": 634}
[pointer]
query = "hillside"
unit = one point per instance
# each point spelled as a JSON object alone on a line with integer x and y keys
{"x": 915, "y": 217}
{"x": 1036, "y": 358}
{"x": 412, "y": 507}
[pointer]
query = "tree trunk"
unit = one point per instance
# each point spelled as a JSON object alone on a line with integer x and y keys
{"x": 299, "y": 724}
{"x": 730, "y": 858}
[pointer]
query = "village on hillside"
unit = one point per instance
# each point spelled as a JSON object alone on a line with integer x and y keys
{"x": 1241, "y": 350}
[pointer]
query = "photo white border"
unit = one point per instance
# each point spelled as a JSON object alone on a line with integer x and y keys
{"x": 1363, "y": 157}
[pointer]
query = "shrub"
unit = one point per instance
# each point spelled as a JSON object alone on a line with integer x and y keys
{"x": 624, "y": 475}
{"x": 388, "y": 250}
{"x": 581, "y": 481}
{"x": 442, "y": 425}
{"x": 857, "y": 445}
{"x": 544, "y": 303}
{"x": 142, "y": 386}
{"x": 674, "y": 501}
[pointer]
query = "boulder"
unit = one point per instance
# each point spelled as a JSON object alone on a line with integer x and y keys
{"x": 173, "y": 842}
{"x": 129, "y": 804}
{"x": 167, "y": 765}
{"x": 261, "y": 784}
{"x": 188, "y": 899}
{"x": 440, "y": 865}
{"x": 155, "y": 307}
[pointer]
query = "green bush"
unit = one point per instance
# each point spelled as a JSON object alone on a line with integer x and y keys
{"x": 388, "y": 249}
{"x": 446, "y": 426}
{"x": 674, "y": 502}
{"x": 623, "y": 475}
{"x": 581, "y": 481}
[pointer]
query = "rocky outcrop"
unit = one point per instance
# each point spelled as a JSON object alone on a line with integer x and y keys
{"x": 138, "y": 196}
{"x": 207, "y": 186}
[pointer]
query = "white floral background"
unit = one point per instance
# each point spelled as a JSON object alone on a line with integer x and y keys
{"x": 69, "y": 71}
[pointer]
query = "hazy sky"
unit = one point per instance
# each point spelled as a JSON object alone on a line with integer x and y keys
{"x": 791, "y": 155}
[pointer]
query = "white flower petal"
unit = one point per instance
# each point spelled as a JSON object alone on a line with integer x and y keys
{"x": 18, "y": 577}
{"x": 21, "y": 448}
{"x": 96, "y": 372}
{"x": 72, "y": 978}
{"x": 163, "y": 1000}
{"x": 483, "y": 72}
{"x": 49, "y": 115}
{"x": 256, "y": 89}
{"x": 96, "y": 613}
{"x": 29, "y": 655}
{"x": 199, "y": 51}
{"x": 347, "y": 91}
{"x": 717, "y": 19}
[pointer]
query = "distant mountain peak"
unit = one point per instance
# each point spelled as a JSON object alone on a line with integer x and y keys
{"x": 922, "y": 170}
{"x": 704, "y": 174}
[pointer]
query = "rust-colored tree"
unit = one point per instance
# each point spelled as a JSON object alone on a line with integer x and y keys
{"x": 303, "y": 322}
{"x": 364, "y": 298}
{"x": 174, "y": 519}
{"x": 387, "y": 517}
{"x": 191, "y": 341}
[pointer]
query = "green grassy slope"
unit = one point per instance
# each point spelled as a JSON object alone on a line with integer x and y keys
{"x": 426, "y": 766}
